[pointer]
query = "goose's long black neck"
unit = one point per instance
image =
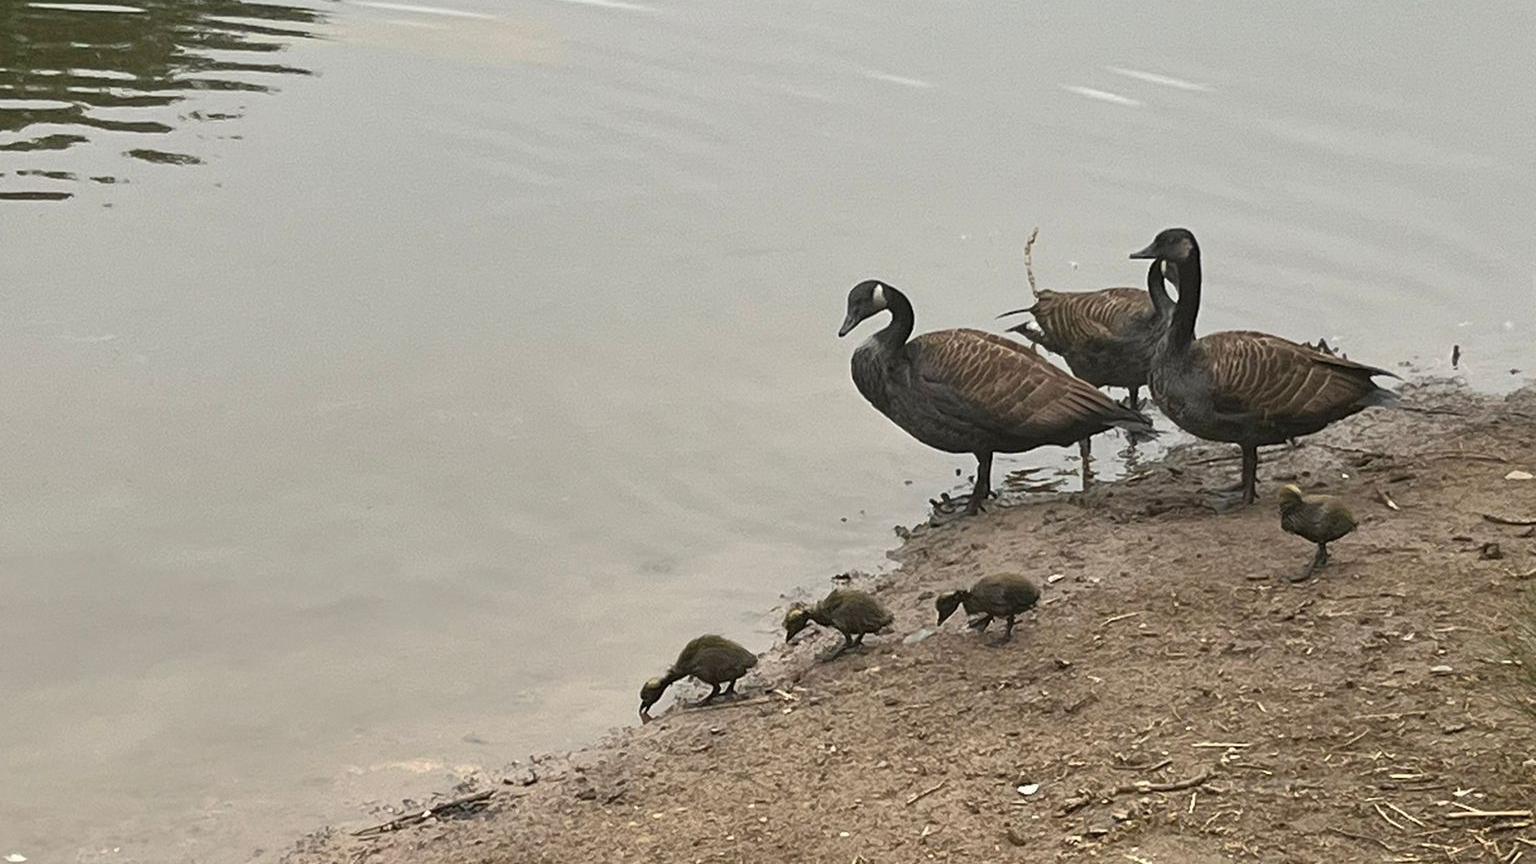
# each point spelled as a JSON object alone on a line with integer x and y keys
{"x": 899, "y": 330}
{"x": 1158, "y": 289}
{"x": 1181, "y": 332}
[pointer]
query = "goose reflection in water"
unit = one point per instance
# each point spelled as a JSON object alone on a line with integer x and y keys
{"x": 76, "y": 74}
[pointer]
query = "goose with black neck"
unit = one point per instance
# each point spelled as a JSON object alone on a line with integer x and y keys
{"x": 968, "y": 391}
{"x": 1244, "y": 387}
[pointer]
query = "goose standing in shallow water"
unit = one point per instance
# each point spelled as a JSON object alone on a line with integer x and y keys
{"x": 967, "y": 391}
{"x": 1108, "y": 336}
{"x": 1244, "y": 387}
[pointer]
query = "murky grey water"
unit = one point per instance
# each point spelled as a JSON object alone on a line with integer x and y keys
{"x": 388, "y": 389}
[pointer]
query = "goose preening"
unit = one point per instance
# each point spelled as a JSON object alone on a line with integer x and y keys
{"x": 715, "y": 660}
{"x": 1002, "y": 595}
{"x": 1108, "y": 336}
{"x": 967, "y": 391}
{"x": 1319, "y": 518}
{"x": 849, "y": 611}
{"x": 1244, "y": 387}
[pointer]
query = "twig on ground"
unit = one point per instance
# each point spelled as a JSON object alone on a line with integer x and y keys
{"x": 1474, "y": 813}
{"x": 1459, "y": 454}
{"x": 916, "y": 797}
{"x": 1389, "y": 820}
{"x": 1405, "y": 814}
{"x": 1141, "y": 786}
{"x": 1353, "y": 836}
{"x": 1510, "y": 520}
{"x": 1391, "y": 715}
{"x": 1385, "y": 499}
{"x": 468, "y": 804}
{"x": 1113, "y": 618}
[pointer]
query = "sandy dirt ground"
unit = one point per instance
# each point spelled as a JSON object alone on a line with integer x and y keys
{"x": 1174, "y": 699}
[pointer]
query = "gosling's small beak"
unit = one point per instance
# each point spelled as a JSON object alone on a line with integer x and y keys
{"x": 645, "y": 716}
{"x": 849, "y": 323}
{"x": 1149, "y": 252}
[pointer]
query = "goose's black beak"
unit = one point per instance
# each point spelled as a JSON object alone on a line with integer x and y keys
{"x": 849, "y": 323}
{"x": 1149, "y": 252}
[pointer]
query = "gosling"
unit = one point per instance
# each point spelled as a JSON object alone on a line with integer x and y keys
{"x": 1319, "y": 518}
{"x": 850, "y": 612}
{"x": 1001, "y": 595}
{"x": 715, "y": 660}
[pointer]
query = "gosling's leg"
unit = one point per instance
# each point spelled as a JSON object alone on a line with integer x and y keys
{"x": 983, "y": 487}
{"x": 1085, "y": 452}
{"x": 838, "y": 652}
{"x": 1133, "y": 400}
{"x": 858, "y": 641}
{"x": 730, "y": 689}
{"x": 1007, "y": 632}
{"x": 713, "y": 692}
{"x": 980, "y": 624}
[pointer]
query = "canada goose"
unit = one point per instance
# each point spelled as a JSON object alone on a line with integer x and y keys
{"x": 1108, "y": 336}
{"x": 1244, "y": 387}
{"x": 1319, "y": 518}
{"x": 715, "y": 660}
{"x": 1002, "y": 595}
{"x": 966, "y": 391}
{"x": 849, "y": 611}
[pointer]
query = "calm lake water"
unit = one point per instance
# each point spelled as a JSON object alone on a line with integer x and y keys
{"x": 388, "y": 389}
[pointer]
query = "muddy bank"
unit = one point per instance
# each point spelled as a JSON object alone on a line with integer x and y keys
{"x": 1175, "y": 698}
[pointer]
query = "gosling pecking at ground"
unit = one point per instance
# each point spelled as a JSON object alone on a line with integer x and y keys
{"x": 715, "y": 660}
{"x": 1001, "y": 595}
{"x": 1319, "y": 518}
{"x": 850, "y": 612}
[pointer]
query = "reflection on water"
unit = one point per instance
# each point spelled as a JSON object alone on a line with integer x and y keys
{"x": 73, "y": 74}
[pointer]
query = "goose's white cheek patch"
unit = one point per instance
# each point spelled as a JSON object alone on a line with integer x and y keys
{"x": 879, "y": 297}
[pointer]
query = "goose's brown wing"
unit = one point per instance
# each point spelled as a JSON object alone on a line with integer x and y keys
{"x": 1090, "y": 317}
{"x": 1275, "y": 380}
{"x": 995, "y": 383}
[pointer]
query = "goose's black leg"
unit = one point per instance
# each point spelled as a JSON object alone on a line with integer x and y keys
{"x": 983, "y": 487}
{"x": 713, "y": 692}
{"x": 1085, "y": 452}
{"x": 1133, "y": 398}
{"x": 1250, "y": 472}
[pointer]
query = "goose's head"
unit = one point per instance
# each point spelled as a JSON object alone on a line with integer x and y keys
{"x": 948, "y": 602}
{"x": 650, "y": 694}
{"x": 868, "y": 298}
{"x": 1171, "y": 244}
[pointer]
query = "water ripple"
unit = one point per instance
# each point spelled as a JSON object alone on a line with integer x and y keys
{"x": 83, "y": 74}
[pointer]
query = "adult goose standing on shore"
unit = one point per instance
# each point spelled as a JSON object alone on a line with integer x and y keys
{"x": 1244, "y": 387}
{"x": 967, "y": 391}
{"x": 1107, "y": 336}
